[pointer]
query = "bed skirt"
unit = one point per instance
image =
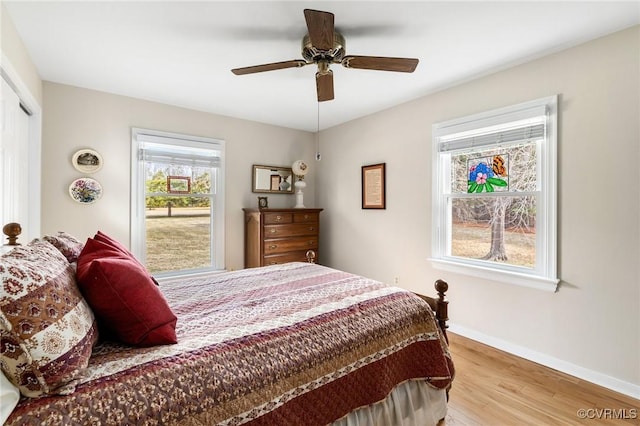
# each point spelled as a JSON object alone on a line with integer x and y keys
{"x": 412, "y": 403}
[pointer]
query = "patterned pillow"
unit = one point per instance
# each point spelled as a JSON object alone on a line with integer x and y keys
{"x": 68, "y": 245}
{"x": 47, "y": 330}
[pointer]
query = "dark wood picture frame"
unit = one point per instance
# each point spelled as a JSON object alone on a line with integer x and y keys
{"x": 374, "y": 186}
{"x": 178, "y": 184}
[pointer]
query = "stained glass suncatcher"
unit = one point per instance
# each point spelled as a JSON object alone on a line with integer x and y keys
{"x": 488, "y": 174}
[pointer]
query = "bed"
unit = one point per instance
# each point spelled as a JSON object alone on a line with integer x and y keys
{"x": 291, "y": 344}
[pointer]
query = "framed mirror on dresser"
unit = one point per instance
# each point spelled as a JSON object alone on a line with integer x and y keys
{"x": 272, "y": 179}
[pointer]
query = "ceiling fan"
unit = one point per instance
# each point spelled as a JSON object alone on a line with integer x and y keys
{"x": 324, "y": 46}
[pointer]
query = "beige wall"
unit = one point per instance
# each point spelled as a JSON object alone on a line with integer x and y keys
{"x": 591, "y": 326}
{"x": 13, "y": 49}
{"x": 77, "y": 118}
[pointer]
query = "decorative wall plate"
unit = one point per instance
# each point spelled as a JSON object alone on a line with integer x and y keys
{"x": 87, "y": 161}
{"x": 85, "y": 190}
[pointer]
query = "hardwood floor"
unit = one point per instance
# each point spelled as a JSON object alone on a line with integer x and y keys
{"x": 492, "y": 387}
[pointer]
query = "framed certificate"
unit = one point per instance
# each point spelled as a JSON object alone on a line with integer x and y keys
{"x": 373, "y": 186}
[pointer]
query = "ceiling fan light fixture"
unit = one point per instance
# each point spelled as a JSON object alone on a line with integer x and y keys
{"x": 312, "y": 54}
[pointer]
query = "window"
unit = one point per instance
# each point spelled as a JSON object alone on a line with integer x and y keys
{"x": 494, "y": 194}
{"x": 177, "y": 202}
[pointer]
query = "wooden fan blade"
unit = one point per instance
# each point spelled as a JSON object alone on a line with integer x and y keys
{"x": 269, "y": 67}
{"x": 380, "y": 63}
{"x": 320, "y": 26}
{"x": 324, "y": 85}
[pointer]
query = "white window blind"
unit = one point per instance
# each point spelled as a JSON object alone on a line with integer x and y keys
{"x": 505, "y": 127}
{"x": 167, "y": 150}
{"x": 502, "y": 137}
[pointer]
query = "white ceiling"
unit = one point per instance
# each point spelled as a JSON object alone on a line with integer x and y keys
{"x": 181, "y": 53}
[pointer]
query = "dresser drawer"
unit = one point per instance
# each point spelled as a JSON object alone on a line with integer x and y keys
{"x": 292, "y": 230}
{"x": 305, "y": 217}
{"x": 290, "y": 244}
{"x": 271, "y": 218}
{"x": 294, "y": 256}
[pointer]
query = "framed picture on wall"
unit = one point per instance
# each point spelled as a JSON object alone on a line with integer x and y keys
{"x": 178, "y": 184}
{"x": 373, "y": 186}
{"x": 87, "y": 161}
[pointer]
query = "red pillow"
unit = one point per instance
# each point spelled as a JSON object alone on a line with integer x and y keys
{"x": 100, "y": 236}
{"x": 123, "y": 297}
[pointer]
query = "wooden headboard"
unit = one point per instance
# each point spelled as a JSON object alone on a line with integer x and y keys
{"x": 11, "y": 230}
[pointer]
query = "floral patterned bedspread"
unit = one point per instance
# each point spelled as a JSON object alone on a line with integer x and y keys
{"x": 292, "y": 344}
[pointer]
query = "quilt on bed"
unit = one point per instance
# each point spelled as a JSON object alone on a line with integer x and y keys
{"x": 294, "y": 344}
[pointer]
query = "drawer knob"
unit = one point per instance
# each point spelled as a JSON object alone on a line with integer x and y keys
{"x": 273, "y": 231}
{"x": 273, "y": 246}
{"x": 311, "y": 256}
{"x": 306, "y": 216}
{"x": 311, "y": 228}
{"x": 278, "y": 217}
{"x": 310, "y": 243}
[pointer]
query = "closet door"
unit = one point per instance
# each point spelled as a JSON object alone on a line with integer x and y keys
{"x": 14, "y": 161}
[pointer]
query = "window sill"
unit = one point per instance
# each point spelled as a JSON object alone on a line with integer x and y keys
{"x": 492, "y": 274}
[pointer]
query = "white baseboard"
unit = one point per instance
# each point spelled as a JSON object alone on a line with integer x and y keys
{"x": 600, "y": 379}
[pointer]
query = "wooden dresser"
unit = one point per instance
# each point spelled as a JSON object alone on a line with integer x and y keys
{"x": 274, "y": 236}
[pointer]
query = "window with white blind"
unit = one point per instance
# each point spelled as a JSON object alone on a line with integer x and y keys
{"x": 177, "y": 202}
{"x": 494, "y": 194}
